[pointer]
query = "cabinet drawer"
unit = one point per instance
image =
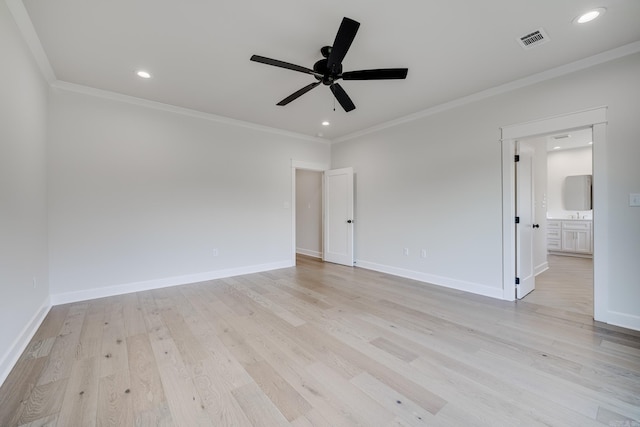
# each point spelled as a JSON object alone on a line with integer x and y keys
{"x": 553, "y": 224}
{"x": 553, "y": 234}
{"x": 576, "y": 225}
{"x": 554, "y": 244}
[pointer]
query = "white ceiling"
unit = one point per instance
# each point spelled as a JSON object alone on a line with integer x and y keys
{"x": 568, "y": 140}
{"x": 198, "y": 51}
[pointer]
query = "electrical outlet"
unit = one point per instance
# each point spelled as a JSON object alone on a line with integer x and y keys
{"x": 216, "y": 252}
{"x": 423, "y": 253}
{"x": 406, "y": 251}
{"x": 634, "y": 199}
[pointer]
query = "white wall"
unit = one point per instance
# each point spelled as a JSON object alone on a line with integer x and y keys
{"x": 561, "y": 164}
{"x": 435, "y": 183}
{"x": 23, "y": 235}
{"x": 141, "y": 197}
{"x": 309, "y": 213}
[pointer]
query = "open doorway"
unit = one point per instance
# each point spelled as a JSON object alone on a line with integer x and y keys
{"x": 596, "y": 119}
{"x": 563, "y": 237}
{"x": 332, "y": 215}
{"x": 308, "y": 208}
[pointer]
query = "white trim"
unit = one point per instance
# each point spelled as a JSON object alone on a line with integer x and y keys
{"x": 108, "y": 291}
{"x": 610, "y": 55}
{"x": 461, "y": 285}
{"x": 13, "y": 353}
{"x": 575, "y": 120}
{"x": 595, "y": 118}
{"x": 23, "y": 21}
{"x": 311, "y": 166}
{"x": 623, "y": 320}
{"x": 541, "y": 268}
{"x": 308, "y": 252}
{"x": 113, "y": 96}
{"x": 508, "y": 218}
{"x": 600, "y": 221}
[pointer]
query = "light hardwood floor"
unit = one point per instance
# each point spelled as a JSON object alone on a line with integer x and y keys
{"x": 325, "y": 345}
{"x": 566, "y": 285}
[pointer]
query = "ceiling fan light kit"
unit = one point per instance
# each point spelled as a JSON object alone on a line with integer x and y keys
{"x": 329, "y": 69}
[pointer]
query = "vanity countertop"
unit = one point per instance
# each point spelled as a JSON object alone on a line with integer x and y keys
{"x": 570, "y": 219}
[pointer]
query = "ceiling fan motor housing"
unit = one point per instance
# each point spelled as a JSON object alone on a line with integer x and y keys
{"x": 328, "y": 76}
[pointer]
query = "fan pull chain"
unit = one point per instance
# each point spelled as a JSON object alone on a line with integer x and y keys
{"x": 334, "y": 103}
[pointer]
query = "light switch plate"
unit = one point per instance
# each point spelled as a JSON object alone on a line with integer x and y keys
{"x": 634, "y": 199}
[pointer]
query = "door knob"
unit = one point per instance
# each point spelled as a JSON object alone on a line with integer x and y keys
{"x": 536, "y": 225}
{"x": 349, "y": 221}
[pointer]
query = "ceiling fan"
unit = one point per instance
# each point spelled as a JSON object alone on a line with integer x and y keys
{"x": 328, "y": 70}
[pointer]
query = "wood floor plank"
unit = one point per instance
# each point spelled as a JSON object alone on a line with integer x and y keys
{"x": 65, "y": 348}
{"x": 43, "y": 400}
{"x": 80, "y": 404}
{"x": 217, "y": 398}
{"x": 183, "y": 399}
{"x": 18, "y": 387}
{"x": 115, "y": 403}
{"x": 50, "y": 421}
{"x": 290, "y": 403}
{"x": 113, "y": 351}
{"x": 257, "y": 406}
{"x": 147, "y": 392}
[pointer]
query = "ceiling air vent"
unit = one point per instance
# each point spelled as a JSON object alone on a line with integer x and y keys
{"x": 533, "y": 39}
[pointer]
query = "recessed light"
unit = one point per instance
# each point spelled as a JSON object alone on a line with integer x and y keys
{"x": 325, "y": 123}
{"x": 590, "y": 15}
{"x": 556, "y": 148}
{"x": 143, "y": 74}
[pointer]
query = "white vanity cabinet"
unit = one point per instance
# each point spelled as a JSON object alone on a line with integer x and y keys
{"x": 569, "y": 237}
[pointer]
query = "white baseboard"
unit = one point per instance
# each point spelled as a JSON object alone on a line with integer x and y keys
{"x": 461, "y": 285}
{"x": 309, "y": 252}
{"x": 624, "y": 320}
{"x": 13, "y": 353}
{"x": 108, "y": 291}
{"x": 541, "y": 268}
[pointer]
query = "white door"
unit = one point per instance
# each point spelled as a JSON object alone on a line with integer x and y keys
{"x": 525, "y": 225}
{"x": 338, "y": 225}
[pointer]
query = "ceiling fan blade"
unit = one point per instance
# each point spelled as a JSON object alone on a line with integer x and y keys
{"x": 379, "y": 74}
{"x": 282, "y": 64}
{"x": 298, "y": 94}
{"x": 342, "y": 97}
{"x": 344, "y": 38}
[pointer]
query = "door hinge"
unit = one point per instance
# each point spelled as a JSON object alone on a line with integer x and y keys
{"x": 517, "y": 280}
{"x": 517, "y": 220}
{"x": 516, "y": 158}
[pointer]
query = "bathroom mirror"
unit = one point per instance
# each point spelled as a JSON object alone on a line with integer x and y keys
{"x": 577, "y": 193}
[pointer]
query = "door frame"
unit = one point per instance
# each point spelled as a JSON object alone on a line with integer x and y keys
{"x": 310, "y": 166}
{"x": 596, "y": 118}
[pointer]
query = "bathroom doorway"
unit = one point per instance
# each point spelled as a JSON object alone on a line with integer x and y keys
{"x": 596, "y": 119}
{"x": 563, "y": 264}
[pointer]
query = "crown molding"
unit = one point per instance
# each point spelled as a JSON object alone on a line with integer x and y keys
{"x": 610, "y": 55}
{"x": 22, "y": 20}
{"x": 114, "y": 96}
